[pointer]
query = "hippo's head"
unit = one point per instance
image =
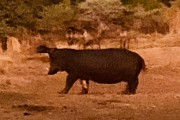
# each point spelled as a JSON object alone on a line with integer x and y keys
{"x": 42, "y": 49}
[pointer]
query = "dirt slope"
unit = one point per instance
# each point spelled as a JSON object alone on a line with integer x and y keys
{"x": 28, "y": 93}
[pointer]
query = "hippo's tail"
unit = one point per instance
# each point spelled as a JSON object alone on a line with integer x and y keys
{"x": 143, "y": 65}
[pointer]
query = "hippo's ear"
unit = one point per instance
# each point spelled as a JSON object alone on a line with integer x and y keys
{"x": 42, "y": 49}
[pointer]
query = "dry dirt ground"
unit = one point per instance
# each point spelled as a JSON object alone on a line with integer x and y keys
{"x": 28, "y": 93}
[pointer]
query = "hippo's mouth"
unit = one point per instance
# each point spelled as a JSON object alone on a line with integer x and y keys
{"x": 52, "y": 71}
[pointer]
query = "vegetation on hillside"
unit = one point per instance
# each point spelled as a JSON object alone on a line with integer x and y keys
{"x": 52, "y": 16}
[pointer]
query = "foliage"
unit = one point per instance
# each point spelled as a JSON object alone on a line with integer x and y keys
{"x": 167, "y": 2}
{"x": 54, "y": 16}
{"x": 49, "y": 16}
{"x": 176, "y": 3}
{"x": 147, "y": 4}
{"x": 98, "y": 9}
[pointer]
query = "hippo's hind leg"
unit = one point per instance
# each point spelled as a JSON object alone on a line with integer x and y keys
{"x": 69, "y": 83}
{"x": 85, "y": 86}
{"x": 126, "y": 91}
{"x": 131, "y": 86}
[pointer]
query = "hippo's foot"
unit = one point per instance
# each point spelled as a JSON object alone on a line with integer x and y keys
{"x": 125, "y": 92}
{"x": 84, "y": 91}
{"x": 62, "y": 92}
{"x": 128, "y": 92}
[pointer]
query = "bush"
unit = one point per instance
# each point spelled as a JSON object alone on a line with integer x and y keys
{"x": 54, "y": 16}
{"x": 147, "y": 4}
{"x": 49, "y": 16}
{"x": 151, "y": 24}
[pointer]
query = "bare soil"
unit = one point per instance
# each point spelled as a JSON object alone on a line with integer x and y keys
{"x": 28, "y": 93}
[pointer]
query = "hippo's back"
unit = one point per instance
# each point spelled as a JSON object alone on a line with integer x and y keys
{"x": 100, "y": 65}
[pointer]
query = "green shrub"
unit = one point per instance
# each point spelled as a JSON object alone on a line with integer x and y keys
{"x": 147, "y": 4}
{"x": 53, "y": 17}
{"x": 153, "y": 23}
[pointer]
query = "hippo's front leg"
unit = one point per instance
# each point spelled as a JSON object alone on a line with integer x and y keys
{"x": 85, "y": 86}
{"x": 53, "y": 69}
{"x": 69, "y": 83}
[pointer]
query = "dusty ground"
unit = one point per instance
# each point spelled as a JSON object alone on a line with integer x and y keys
{"x": 28, "y": 93}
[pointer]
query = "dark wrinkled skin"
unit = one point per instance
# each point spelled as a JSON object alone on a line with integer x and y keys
{"x": 107, "y": 66}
